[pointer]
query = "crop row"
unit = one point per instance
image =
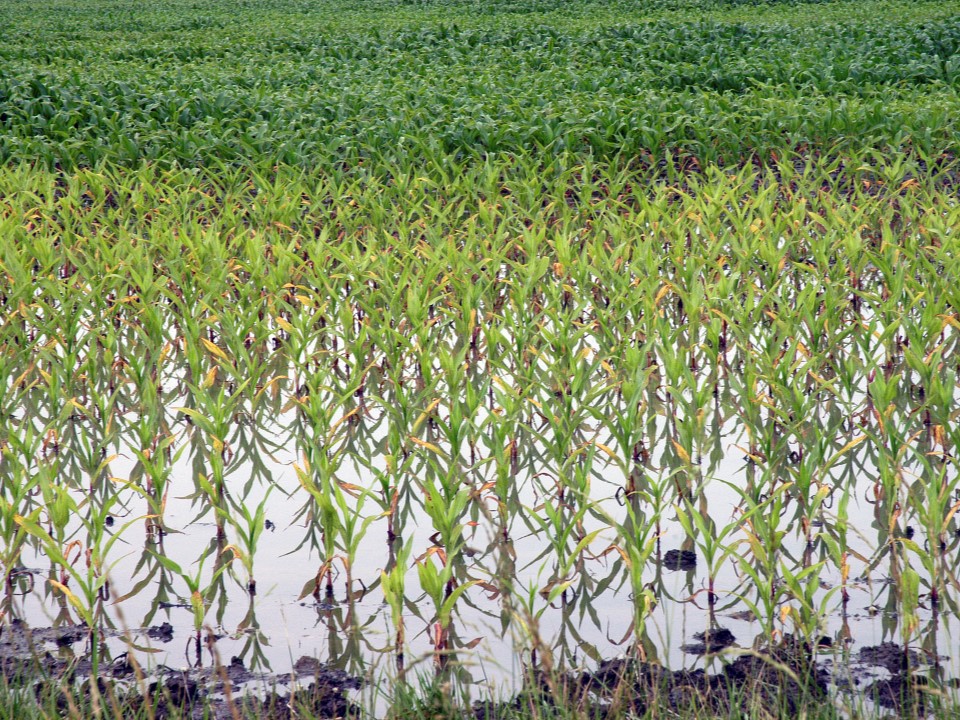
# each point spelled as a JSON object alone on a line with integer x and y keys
{"x": 440, "y": 341}
{"x": 264, "y": 91}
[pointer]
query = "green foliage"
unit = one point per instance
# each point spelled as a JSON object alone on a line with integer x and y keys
{"x": 311, "y": 84}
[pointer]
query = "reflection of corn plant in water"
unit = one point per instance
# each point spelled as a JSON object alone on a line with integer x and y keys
{"x": 252, "y": 652}
{"x": 91, "y": 582}
{"x": 247, "y": 534}
{"x": 764, "y": 540}
{"x": 155, "y": 460}
{"x": 18, "y": 486}
{"x": 636, "y": 544}
{"x": 444, "y": 591}
{"x": 392, "y": 583}
{"x": 934, "y": 504}
{"x": 321, "y": 515}
{"x": 200, "y": 595}
{"x": 702, "y": 529}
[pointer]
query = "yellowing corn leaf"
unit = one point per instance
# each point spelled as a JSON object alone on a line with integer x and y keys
{"x": 74, "y": 600}
{"x": 210, "y": 378}
{"x": 213, "y": 349}
{"x": 424, "y": 444}
{"x": 339, "y": 422}
{"x": 662, "y": 293}
{"x": 426, "y": 413}
{"x": 606, "y": 449}
{"x": 946, "y": 521}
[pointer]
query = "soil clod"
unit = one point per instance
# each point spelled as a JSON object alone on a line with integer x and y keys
{"x": 685, "y": 560}
{"x": 710, "y": 640}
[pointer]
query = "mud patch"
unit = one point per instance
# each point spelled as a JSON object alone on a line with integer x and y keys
{"x": 765, "y": 681}
{"x": 685, "y": 560}
{"x": 200, "y": 692}
{"x": 889, "y": 655}
{"x": 162, "y": 632}
{"x": 710, "y": 640}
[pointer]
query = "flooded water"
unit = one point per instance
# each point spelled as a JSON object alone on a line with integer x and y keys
{"x": 514, "y": 551}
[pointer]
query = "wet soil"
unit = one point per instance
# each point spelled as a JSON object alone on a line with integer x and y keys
{"x": 780, "y": 680}
{"x": 206, "y": 695}
{"x": 710, "y": 641}
{"x": 889, "y": 655}
{"x": 906, "y": 690}
{"x": 762, "y": 681}
{"x": 25, "y": 651}
{"x": 310, "y": 690}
